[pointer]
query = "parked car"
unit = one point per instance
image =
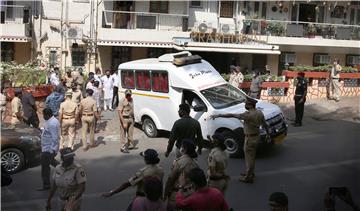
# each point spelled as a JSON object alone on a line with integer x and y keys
{"x": 20, "y": 147}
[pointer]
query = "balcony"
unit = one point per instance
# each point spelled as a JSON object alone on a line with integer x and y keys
{"x": 136, "y": 28}
{"x": 15, "y": 25}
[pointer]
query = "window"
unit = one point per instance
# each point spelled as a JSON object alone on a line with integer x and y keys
{"x": 195, "y": 4}
{"x": 81, "y": 1}
{"x": 159, "y": 6}
{"x": 78, "y": 57}
{"x": 286, "y": 58}
{"x": 127, "y": 79}
{"x": 352, "y": 60}
{"x": 143, "y": 80}
{"x": 7, "y": 51}
{"x": 52, "y": 58}
{"x": 160, "y": 81}
{"x": 321, "y": 59}
{"x": 226, "y": 9}
{"x": 119, "y": 55}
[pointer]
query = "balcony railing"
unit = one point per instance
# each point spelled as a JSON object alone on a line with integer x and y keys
{"x": 144, "y": 20}
{"x": 301, "y": 29}
{"x": 14, "y": 14}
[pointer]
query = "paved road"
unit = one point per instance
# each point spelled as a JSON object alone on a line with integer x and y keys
{"x": 323, "y": 153}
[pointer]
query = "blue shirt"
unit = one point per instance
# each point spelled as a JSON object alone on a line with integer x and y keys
{"x": 53, "y": 102}
{"x": 50, "y": 136}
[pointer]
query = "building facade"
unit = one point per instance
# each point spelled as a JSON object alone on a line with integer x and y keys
{"x": 252, "y": 34}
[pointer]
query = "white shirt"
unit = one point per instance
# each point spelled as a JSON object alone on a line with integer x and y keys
{"x": 98, "y": 78}
{"x": 116, "y": 79}
{"x": 50, "y": 136}
{"x": 89, "y": 85}
{"x": 54, "y": 79}
{"x": 108, "y": 83}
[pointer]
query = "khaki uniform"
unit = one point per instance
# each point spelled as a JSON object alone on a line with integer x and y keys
{"x": 126, "y": 109}
{"x": 334, "y": 83}
{"x": 181, "y": 165}
{"x": 67, "y": 113}
{"x": 16, "y": 107}
{"x": 76, "y": 96}
{"x": 253, "y": 118}
{"x": 88, "y": 109}
{"x": 149, "y": 170}
{"x": 69, "y": 81}
{"x": 67, "y": 181}
{"x": 79, "y": 79}
{"x": 218, "y": 159}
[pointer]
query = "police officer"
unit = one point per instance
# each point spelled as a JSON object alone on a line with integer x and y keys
{"x": 69, "y": 181}
{"x": 126, "y": 116}
{"x": 151, "y": 169}
{"x": 78, "y": 78}
{"x": 69, "y": 80}
{"x": 76, "y": 94}
{"x": 16, "y": 108}
{"x": 181, "y": 165}
{"x": 88, "y": 113}
{"x": 300, "y": 98}
{"x": 184, "y": 128}
{"x": 217, "y": 164}
{"x": 252, "y": 118}
{"x": 334, "y": 81}
{"x": 255, "y": 87}
{"x": 68, "y": 115}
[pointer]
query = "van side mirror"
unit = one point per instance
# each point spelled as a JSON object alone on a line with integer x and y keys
{"x": 199, "y": 108}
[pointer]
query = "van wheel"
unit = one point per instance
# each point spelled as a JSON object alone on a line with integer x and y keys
{"x": 149, "y": 127}
{"x": 234, "y": 146}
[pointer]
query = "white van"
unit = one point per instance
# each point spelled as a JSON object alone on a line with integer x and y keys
{"x": 159, "y": 85}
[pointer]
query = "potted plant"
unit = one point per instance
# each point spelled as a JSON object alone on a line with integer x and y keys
{"x": 276, "y": 29}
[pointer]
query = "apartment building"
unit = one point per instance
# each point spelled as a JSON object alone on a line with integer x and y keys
{"x": 85, "y": 33}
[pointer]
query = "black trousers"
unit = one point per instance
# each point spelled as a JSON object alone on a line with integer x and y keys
{"x": 47, "y": 159}
{"x": 115, "y": 99}
{"x": 299, "y": 109}
{"x": 33, "y": 120}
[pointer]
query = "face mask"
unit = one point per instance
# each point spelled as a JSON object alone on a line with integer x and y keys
{"x": 182, "y": 151}
{"x": 108, "y": 76}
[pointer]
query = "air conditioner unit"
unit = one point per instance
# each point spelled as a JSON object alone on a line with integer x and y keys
{"x": 290, "y": 58}
{"x": 203, "y": 27}
{"x": 227, "y": 28}
{"x": 74, "y": 33}
{"x": 322, "y": 59}
{"x": 353, "y": 60}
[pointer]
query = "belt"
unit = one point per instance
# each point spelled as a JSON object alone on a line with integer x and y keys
{"x": 298, "y": 95}
{"x": 252, "y": 135}
{"x": 88, "y": 114}
{"x": 127, "y": 117}
{"x": 68, "y": 117}
{"x": 138, "y": 193}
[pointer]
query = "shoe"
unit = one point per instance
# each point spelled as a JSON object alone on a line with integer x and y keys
{"x": 124, "y": 150}
{"x": 94, "y": 145}
{"x": 297, "y": 125}
{"x": 132, "y": 146}
{"x": 244, "y": 175}
{"x": 246, "y": 180}
{"x": 43, "y": 188}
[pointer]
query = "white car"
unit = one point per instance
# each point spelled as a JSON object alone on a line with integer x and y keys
{"x": 159, "y": 85}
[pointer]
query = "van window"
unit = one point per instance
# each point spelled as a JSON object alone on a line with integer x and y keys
{"x": 143, "y": 80}
{"x": 160, "y": 81}
{"x": 127, "y": 79}
{"x": 223, "y": 96}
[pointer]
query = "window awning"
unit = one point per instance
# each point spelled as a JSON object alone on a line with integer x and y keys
{"x": 229, "y": 48}
{"x": 135, "y": 43}
{"x": 14, "y": 39}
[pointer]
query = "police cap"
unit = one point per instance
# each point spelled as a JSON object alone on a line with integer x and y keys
{"x": 67, "y": 152}
{"x": 218, "y": 137}
{"x": 149, "y": 154}
{"x": 128, "y": 92}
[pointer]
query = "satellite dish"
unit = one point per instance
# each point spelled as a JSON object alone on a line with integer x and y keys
{"x": 72, "y": 33}
{"x": 203, "y": 27}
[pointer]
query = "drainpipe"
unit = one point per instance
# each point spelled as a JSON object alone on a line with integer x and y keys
{"x": 61, "y": 35}
{"x": 96, "y": 33}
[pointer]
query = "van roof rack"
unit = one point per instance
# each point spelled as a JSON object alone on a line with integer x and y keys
{"x": 182, "y": 61}
{"x": 171, "y": 56}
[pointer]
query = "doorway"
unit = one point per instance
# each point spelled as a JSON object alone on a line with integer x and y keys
{"x": 258, "y": 62}
{"x": 307, "y": 12}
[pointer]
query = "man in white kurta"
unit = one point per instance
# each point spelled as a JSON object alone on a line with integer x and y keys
{"x": 108, "y": 84}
